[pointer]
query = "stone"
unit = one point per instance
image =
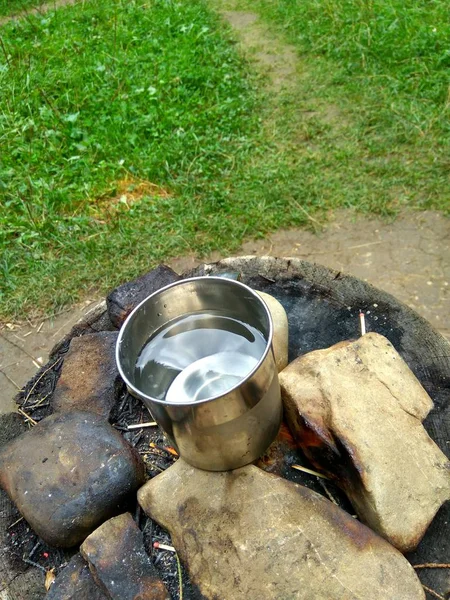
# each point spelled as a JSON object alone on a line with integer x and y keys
{"x": 250, "y": 534}
{"x": 89, "y": 378}
{"x": 75, "y": 582}
{"x": 357, "y": 410}
{"x": 94, "y": 321}
{"x": 68, "y": 474}
{"x": 280, "y": 330}
{"x": 11, "y": 426}
{"x": 119, "y": 562}
{"x": 24, "y": 586}
{"x": 126, "y": 297}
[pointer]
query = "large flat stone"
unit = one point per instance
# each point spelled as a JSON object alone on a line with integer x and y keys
{"x": 89, "y": 376}
{"x": 68, "y": 474}
{"x": 117, "y": 558}
{"x": 75, "y": 582}
{"x": 357, "y": 410}
{"x": 126, "y": 297}
{"x": 250, "y": 534}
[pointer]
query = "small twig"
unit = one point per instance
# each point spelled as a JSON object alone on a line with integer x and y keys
{"x": 362, "y": 322}
{"x": 35, "y": 547}
{"x": 153, "y": 466}
{"x": 24, "y": 414}
{"x": 168, "y": 449}
{"x": 34, "y": 564}
{"x": 308, "y": 215}
{"x": 39, "y": 402}
{"x": 39, "y": 379}
{"x": 310, "y": 471}
{"x": 180, "y": 576}
{"x": 142, "y": 425}
{"x": 364, "y": 245}
{"x": 433, "y": 566}
{"x": 159, "y": 546}
{"x": 40, "y": 327}
{"x": 432, "y": 592}
{"x": 328, "y": 493}
{"x": 15, "y": 522}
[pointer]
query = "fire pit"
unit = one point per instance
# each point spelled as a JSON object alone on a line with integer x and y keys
{"x": 322, "y": 307}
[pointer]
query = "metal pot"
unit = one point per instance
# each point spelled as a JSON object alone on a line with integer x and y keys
{"x": 222, "y": 432}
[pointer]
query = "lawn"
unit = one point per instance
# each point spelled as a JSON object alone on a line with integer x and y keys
{"x": 133, "y": 131}
{"x": 122, "y": 124}
{"x": 383, "y": 70}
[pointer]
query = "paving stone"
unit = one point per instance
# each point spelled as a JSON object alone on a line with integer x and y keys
{"x": 126, "y": 297}
{"x": 118, "y": 560}
{"x": 75, "y": 582}
{"x": 68, "y": 474}
{"x": 250, "y": 534}
{"x": 89, "y": 377}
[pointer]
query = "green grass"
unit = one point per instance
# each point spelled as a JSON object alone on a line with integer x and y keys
{"x": 132, "y": 132}
{"x": 383, "y": 68}
{"x": 11, "y": 7}
{"x": 394, "y": 52}
{"x": 105, "y": 93}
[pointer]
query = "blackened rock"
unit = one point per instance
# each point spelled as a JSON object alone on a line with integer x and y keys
{"x": 68, "y": 474}
{"x": 126, "y": 297}
{"x": 118, "y": 560}
{"x": 89, "y": 377}
{"x": 11, "y": 426}
{"x": 94, "y": 321}
{"x": 75, "y": 582}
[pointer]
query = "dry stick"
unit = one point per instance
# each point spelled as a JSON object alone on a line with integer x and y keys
{"x": 308, "y": 215}
{"x": 432, "y": 592}
{"x": 39, "y": 402}
{"x": 433, "y": 566}
{"x": 15, "y": 522}
{"x": 24, "y": 414}
{"x": 328, "y": 493}
{"x": 159, "y": 546}
{"x": 141, "y": 425}
{"x": 39, "y": 379}
{"x": 310, "y": 471}
{"x": 362, "y": 322}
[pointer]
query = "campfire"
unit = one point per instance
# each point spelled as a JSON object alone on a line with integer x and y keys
{"x": 78, "y": 403}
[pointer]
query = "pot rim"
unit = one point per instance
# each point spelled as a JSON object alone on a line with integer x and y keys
{"x": 146, "y": 398}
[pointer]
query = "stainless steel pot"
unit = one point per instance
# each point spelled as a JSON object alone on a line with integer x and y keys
{"x": 222, "y": 432}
